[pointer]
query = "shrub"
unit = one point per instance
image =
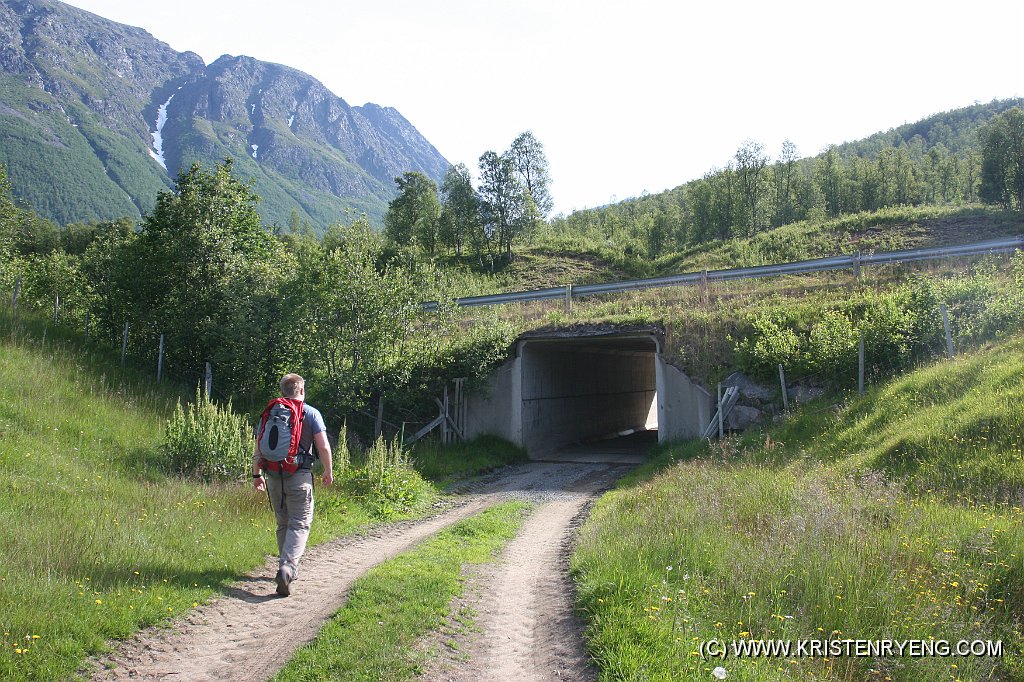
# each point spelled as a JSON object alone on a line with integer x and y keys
{"x": 921, "y": 299}
{"x": 888, "y": 330}
{"x": 386, "y": 484}
{"x": 207, "y": 441}
{"x": 832, "y": 345}
{"x": 771, "y": 342}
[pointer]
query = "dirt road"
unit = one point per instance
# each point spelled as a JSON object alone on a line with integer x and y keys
{"x": 528, "y": 627}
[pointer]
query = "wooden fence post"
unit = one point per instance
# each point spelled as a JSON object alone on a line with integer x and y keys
{"x": 160, "y": 360}
{"x": 721, "y": 422}
{"x": 378, "y": 425}
{"x": 860, "y": 365}
{"x": 945, "y": 326}
{"x": 445, "y": 427}
{"x": 460, "y": 405}
{"x": 785, "y": 394}
{"x": 124, "y": 344}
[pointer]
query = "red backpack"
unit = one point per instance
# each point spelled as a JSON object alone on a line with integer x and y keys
{"x": 280, "y": 432}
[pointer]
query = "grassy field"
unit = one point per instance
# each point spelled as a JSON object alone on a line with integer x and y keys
{"x": 445, "y": 463}
{"x": 892, "y": 516}
{"x": 390, "y": 609}
{"x": 99, "y": 537}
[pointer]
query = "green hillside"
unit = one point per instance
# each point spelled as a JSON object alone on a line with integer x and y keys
{"x": 895, "y": 516}
{"x": 94, "y": 165}
{"x": 938, "y": 161}
{"x": 281, "y": 186}
{"x": 102, "y": 536}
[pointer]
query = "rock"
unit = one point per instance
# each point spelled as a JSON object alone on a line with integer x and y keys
{"x": 751, "y": 390}
{"x": 741, "y": 417}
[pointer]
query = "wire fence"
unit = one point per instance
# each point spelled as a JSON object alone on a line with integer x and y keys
{"x": 146, "y": 356}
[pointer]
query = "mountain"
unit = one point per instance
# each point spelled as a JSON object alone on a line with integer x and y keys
{"x": 97, "y": 117}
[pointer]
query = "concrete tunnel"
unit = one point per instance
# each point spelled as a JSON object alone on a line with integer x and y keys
{"x": 580, "y": 389}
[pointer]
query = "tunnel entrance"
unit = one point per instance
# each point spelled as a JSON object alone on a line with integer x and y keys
{"x": 587, "y": 391}
{"x": 599, "y": 392}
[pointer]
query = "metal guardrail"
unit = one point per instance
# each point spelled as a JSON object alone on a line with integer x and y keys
{"x": 854, "y": 262}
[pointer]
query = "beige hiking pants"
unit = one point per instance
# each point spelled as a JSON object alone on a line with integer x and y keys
{"x": 292, "y": 500}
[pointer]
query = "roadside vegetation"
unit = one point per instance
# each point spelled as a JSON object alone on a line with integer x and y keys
{"x": 102, "y": 533}
{"x": 890, "y": 516}
{"x": 113, "y": 521}
{"x": 377, "y": 633}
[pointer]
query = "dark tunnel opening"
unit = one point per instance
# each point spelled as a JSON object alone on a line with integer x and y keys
{"x": 594, "y": 393}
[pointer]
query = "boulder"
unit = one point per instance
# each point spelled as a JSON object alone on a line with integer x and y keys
{"x": 751, "y": 390}
{"x": 805, "y": 394}
{"x": 742, "y": 417}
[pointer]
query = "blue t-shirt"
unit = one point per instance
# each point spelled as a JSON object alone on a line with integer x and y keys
{"x": 312, "y": 424}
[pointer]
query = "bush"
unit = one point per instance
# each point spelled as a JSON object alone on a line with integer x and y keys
{"x": 921, "y": 300}
{"x": 832, "y": 346}
{"x": 208, "y": 441}
{"x": 386, "y": 484}
{"x": 771, "y": 342}
{"x": 888, "y": 330}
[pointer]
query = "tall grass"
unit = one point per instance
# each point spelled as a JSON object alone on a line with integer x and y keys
{"x": 100, "y": 535}
{"x": 98, "y": 539}
{"x": 444, "y": 463}
{"x": 894, "y": 516}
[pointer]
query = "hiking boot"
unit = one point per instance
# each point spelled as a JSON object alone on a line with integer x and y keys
{"x": 282, "y": 581}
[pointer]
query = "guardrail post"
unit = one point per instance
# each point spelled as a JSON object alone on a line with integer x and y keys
{"x": 856, "y": 265}
{"x": 56, "y": 307}
{"x": 568, "y": 299}
{"x": 208, "y": 382}
{"x": 86, "y": 325}
{"x": 14, "y": 296}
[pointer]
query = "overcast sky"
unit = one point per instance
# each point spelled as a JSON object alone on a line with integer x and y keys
{"x": 626, "y": 97}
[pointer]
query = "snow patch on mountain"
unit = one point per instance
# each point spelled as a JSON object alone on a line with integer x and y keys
{"x": 157, "y": 152}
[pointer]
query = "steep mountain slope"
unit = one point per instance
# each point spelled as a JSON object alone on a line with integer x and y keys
{"x": 97, "y": 117}
{"x": 72, "y": 94}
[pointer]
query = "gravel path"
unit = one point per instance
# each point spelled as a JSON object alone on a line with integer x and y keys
{"x": 238, "y": 636}
{"x": 526, "y": 628}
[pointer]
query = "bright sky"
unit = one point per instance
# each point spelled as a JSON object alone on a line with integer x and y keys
{"x": 626, "y": 97}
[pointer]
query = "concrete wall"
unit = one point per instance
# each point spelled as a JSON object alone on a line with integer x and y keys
{"x": 684, "y": 408}
{"x": 574, "y": 391}
{"x": 497, "y": 410}
{"x": 559, "y": 392}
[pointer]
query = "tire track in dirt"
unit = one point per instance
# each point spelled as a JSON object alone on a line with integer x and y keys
{"x": 528, "y": 628}
{"x": 249, "y": 633}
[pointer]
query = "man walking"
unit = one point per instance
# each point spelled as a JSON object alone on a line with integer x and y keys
{"x": 291, "y": 494}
